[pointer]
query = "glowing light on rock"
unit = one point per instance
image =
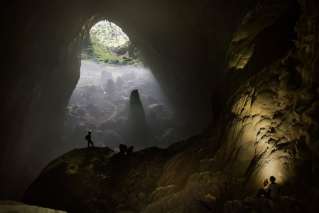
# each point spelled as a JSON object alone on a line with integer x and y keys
{"x": 273, "y": 167}
{"x": 254, "y": 129}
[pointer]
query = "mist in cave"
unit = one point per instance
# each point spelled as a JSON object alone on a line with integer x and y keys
{"x": 117, "y": 97}
{"x": 220, "y": 100}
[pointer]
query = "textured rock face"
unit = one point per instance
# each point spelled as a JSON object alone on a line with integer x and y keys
{"x": 274, "y": 126}
{"x": 99, "y": 180}
{"x": 177, "y": 179}
{"x": 264, "y": 35}
{"x": 139, "y": 130}
{"x": 270, "y": 126}
{"x": 271, "y": 123}
{"x": 182, "y": 41}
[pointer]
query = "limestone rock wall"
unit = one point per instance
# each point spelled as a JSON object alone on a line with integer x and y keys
{"x": 269, "y": 127}
{"x": 265, "y": 123}
{"x": 181, "y": 41}
{"x": 273, "y": 128}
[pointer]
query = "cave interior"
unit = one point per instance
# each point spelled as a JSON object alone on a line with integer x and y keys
{"x": 240, "y": 75}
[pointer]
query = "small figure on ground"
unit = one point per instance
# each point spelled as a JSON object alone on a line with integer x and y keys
{"x": 130, "y": 150}
{"x": 124, "y": 150}
{"x": 273, "y": 188}
{"x": 88, "y": 138}
{"x": 270, "y": 191}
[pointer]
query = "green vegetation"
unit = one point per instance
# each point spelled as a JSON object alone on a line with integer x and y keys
{"x": 103, "y": 54}
{"x": 109, "y": 44}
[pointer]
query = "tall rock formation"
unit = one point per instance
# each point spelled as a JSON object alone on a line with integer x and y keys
{"x": 139, "y": 134}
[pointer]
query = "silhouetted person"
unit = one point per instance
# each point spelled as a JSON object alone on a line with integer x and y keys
{"x": 130, "y": 150}
{"x": 273, "y": 188}
{"x": 88, "y": 138}
{"x": 123, "y": 149}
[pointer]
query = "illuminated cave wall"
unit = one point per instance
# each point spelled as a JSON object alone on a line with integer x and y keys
{"x": 274, "y": 124}
{"x": 186, "y": 44}
{"x": 273, "y": 128}
{"x": 270, "y": 127}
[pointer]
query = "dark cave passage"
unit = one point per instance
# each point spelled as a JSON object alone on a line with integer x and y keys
{"x": 217, "y": 96}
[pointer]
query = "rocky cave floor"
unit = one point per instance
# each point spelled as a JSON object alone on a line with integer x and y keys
{"x": 182, "y": 178}
{"x": 265, "y": 113}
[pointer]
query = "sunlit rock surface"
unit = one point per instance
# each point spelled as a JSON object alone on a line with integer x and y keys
{"x": 108, "y": 34}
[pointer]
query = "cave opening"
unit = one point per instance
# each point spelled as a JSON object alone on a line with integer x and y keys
{"x": 240, "y": 79}
{"x": 112, "y": 70}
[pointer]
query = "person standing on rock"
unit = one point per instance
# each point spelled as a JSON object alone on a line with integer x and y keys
{"x": 88, "y": 138}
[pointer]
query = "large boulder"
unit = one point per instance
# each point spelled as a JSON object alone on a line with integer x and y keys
{"x": 98, "y": 180}
{"x": 101, "y": 180}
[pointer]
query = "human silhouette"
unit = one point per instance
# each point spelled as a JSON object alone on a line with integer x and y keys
{"x": 270, "y": 191}
{"x": 88, "y": 138}
{"x": 130, "y": 150}
{"x": 123, "y": 149}
{"x": 273, "y": 188}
